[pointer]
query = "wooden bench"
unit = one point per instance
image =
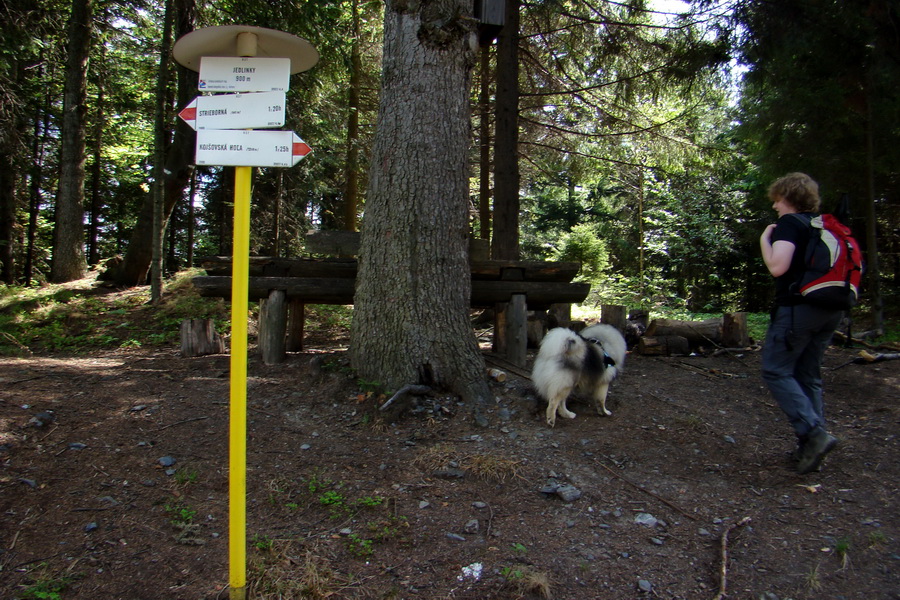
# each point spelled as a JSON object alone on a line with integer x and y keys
{"x": 285, "y": 285}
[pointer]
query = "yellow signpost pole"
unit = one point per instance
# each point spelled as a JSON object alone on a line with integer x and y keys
{"x": 237, "y": 459}
{"x": 241, "y": 41}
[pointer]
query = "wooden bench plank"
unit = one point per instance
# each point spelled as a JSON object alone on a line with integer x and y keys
{"x": 507, "y": 270}
{"x": 336, "y": 290}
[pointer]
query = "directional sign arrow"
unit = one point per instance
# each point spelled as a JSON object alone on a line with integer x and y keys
{"x": 235, "y": 111}
{"x": 250, "y": 148}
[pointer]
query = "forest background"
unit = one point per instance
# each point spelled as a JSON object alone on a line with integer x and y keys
{"x": 646, "y": 139}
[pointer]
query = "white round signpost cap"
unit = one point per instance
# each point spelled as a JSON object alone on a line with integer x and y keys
{"x": 227, "y": 41}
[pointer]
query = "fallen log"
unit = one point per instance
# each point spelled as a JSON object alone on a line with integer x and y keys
{"x": 666, "y": 345}
{"x": 696, "y": 332}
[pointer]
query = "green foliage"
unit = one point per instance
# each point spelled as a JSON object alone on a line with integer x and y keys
{"x": 45, "y": 586}
{"x": 583, "y": 244}
{"x": 179, "y": 514}
{"x": 359, "y": 546}
{"x": 263, "y": 543}
{"x": 78, "y": 319}
{"x": 185, "y": 476}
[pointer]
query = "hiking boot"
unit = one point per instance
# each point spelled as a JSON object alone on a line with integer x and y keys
{"x": 819, "y": 444}
{"x": 798, "y": 451}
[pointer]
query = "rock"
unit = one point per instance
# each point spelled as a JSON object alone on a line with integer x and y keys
{"x": 424, "y": 504}
{"x": 91, "y": 527}
{"x": 472, "y": 526}
{"x": 41, "y": 419}
{"x": 77, "y": 446}
{"x": 449, "y": 473}
{"x": 729, "y": 439}
{"x": 479, "y": 505}
{"x": 569, "y": 493}
{"x": 456, "y": 537}
{"x": 550, "y": 487}
{"x": 645, "y": 519}
{"x": 166, "y": 461}
{"x": 645, "y": 586}
{"x": 29, "y": 482}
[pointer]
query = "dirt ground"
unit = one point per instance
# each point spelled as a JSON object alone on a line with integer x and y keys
{"x": 121, "y": 492}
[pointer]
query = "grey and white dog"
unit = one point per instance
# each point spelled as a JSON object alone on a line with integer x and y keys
{"x": 585, "y": 362}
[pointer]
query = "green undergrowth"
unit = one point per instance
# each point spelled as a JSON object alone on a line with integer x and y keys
{"x": 88, "y": 315}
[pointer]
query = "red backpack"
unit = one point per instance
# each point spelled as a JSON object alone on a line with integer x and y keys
{"x": 833, "y": 264}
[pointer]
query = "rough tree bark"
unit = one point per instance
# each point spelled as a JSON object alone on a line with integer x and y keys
{"x": 410, "y": 321}
{"x": 68, "y": 234}
{"x": 505, "y": 241}
{"x": 178, "y": 170}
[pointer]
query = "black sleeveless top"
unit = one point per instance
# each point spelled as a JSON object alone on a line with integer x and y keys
{"x": 789, "y": 228}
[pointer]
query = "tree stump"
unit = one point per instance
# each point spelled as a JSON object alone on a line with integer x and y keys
{"x": 613, "y": 314}
{"x": 272, "y": 327}
{"x": 734, "y": 330}
{"x": 199, "y": 338}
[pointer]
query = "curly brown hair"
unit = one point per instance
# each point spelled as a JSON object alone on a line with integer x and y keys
{"x": 797, "y": 189}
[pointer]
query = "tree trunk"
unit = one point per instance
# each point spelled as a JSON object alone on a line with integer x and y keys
{"x": 68, "y": 232}
{"x": 484, "y": 143}
{"x": 505, "y": 241}
{"x": 351, "y": 168}
{"x": 160, "y": 144}
{"x": 410, "y": 321}
{"x": 8, "y": 224}
{"x": 41, "y": 126}
{"x": 178, "y": 170}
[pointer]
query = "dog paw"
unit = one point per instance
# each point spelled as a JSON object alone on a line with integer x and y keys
{"x": 567, "y": 414}
{"x": 551, "y": 422}
{"x": 607, "y": 413}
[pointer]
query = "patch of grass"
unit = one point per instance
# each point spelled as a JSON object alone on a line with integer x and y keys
{"x": 263, "y": 543}
{"x": 484, "y": 466}
{"x": 842, "y": 549}
{"x": 813, "y": 580}
{"x": 180, "y": 515}
{"x": 877, "y": 539}
{"x": 359, "y": 546}
{"x": 185, "y": 476}
{"x": 326, "y": 316}
{"x": 287, "y": 570}
{"x": 527, "y": 582}
{"x": 45, "y": 585}
{"x": 83, "y": 315}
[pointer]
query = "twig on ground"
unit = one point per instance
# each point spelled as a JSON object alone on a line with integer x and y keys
{"x": 181, "y": 422}
{"x": 723, "y": 571}
{"x": 412, "y": 388}
{"x": 649, "y": 493}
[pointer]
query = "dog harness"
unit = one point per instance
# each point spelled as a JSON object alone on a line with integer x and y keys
{"x": 607, "y": 359}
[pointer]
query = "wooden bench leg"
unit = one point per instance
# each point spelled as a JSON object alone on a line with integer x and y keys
{"x": 296, "y": 321}
{"x": 517, "y": 330}
{"x": 272, "y": 327}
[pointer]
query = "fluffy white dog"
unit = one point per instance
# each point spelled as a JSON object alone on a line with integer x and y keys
{"x": 585, "y": 362}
